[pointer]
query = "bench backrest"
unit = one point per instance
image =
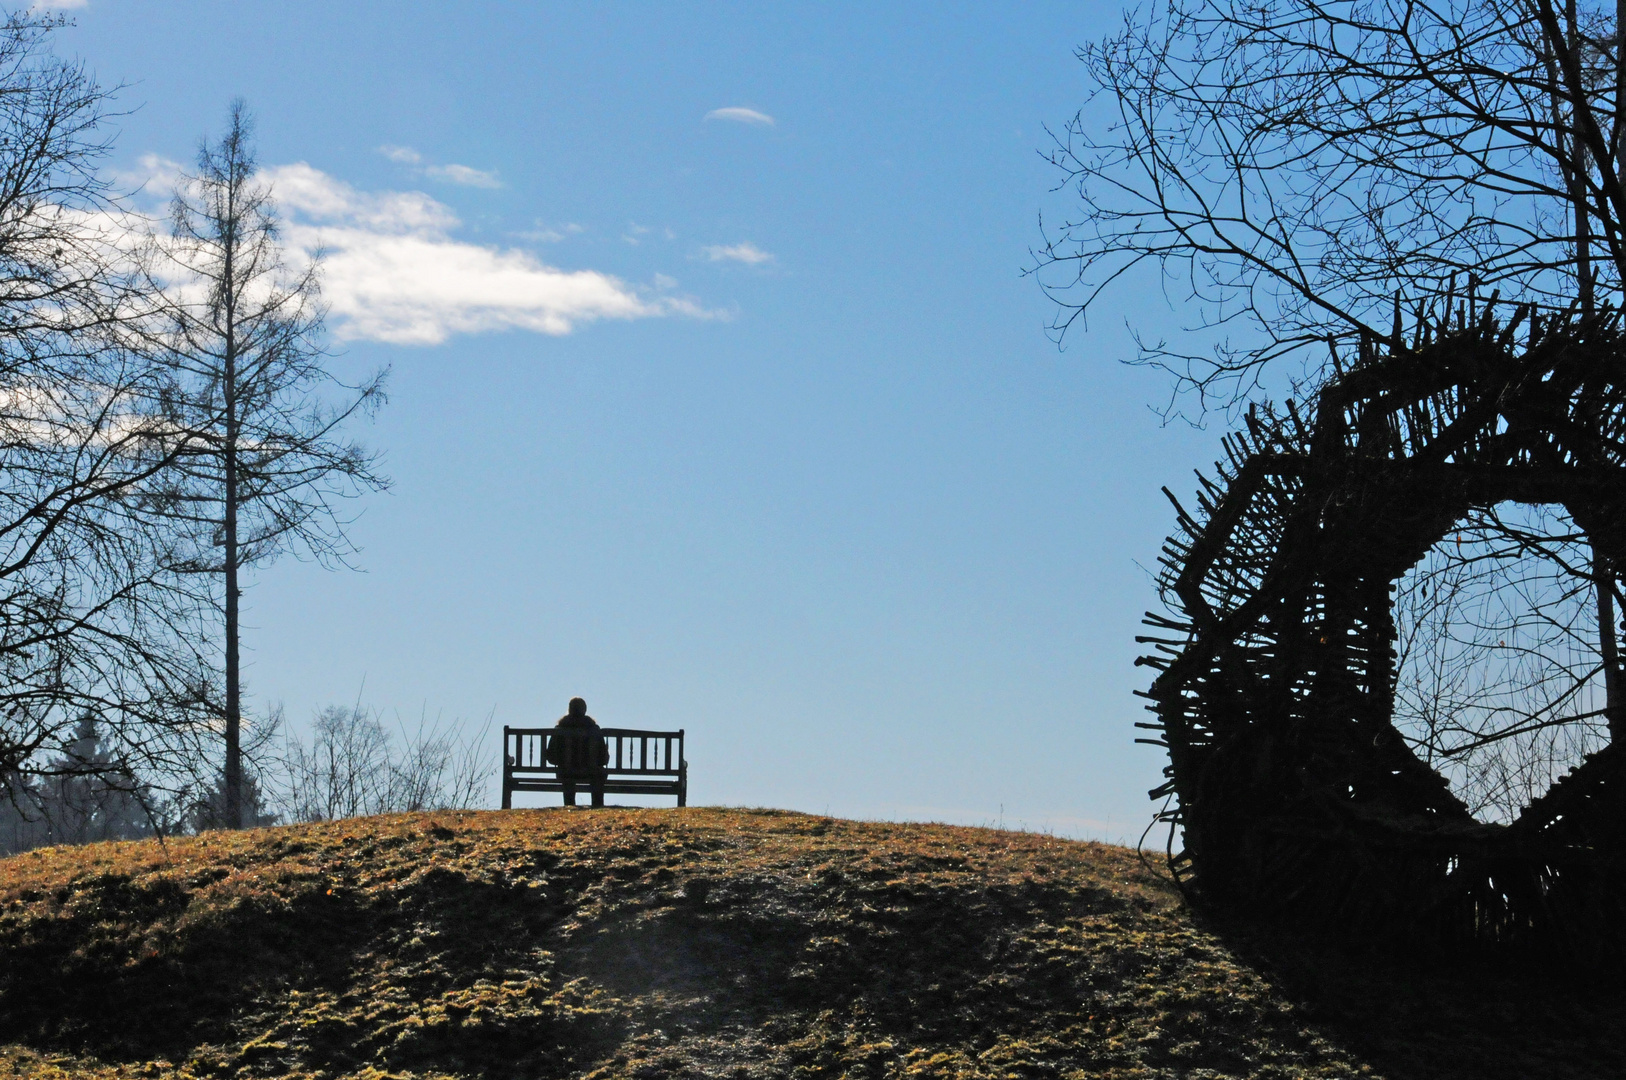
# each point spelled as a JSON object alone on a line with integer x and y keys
{"x": 632, "y": 752}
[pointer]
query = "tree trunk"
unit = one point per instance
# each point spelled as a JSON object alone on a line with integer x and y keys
{"x": 234, "y": 753}
{"x": 1603, "y": 577}
{"x": 1578, "y": 173}
{"x": 1618, "y": 128}
{"x": 234, "y": 714}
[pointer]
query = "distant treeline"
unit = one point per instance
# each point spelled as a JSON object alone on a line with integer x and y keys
{"x": 352, "y": 765}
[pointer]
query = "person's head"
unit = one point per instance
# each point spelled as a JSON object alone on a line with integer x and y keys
{"x": 578, "y": 706}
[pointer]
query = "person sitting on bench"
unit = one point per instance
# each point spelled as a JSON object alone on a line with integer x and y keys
{"x": 580, "y": 752}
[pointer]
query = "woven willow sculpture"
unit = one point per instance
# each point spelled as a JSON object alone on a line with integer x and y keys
{"x": 1291, "y": 787}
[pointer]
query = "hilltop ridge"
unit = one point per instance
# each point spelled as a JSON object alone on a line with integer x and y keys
{"x": 653, "y": 943}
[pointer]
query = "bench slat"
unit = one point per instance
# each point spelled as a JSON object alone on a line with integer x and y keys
{"x": 614, "y": 787}
{"x": 526, "y": 768}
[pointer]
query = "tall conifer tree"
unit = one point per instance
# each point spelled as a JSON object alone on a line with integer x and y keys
{"x": 243, "y": 336}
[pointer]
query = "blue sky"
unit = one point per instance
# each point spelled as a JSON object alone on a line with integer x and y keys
{"x": 718, "y": 395}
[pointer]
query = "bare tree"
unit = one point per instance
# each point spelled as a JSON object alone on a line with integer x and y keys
{"x": 353, "y": 766}
{"x": 268, "y": 468}
{"x": 1500, "y": 675}
{"x": 91, "y": 620}
{"x": 1315, "y": 177}
{"x": 1307, "y": 172}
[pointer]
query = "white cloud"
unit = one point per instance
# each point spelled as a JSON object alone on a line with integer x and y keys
{"x": 309, "y": 193}
{"x": 465, "y": 175}
{"x": 741, "y": 115}
{"x": 394, "y": 272}
{"x": 155, "y": 177}
{"x": 543, "y": 234}
{"x": 58, "y": 5}
{"x": 747, "y": 253}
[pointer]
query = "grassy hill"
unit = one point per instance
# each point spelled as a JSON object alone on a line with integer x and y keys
{"x": 674, "y": 943}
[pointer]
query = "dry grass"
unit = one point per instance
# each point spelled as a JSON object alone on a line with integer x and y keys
{"x": 653, "y": 943}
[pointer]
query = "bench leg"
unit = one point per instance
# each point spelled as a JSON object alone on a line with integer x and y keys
{"x": 507, "y": 796}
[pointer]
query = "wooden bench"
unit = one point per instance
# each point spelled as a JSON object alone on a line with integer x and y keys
{"x": 641, "y": 763}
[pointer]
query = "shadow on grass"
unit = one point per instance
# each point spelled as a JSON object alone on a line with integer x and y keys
{"x": 130, "y": 973}
{"x": 1413, "y": 1015}
{"x": 132, "y": 969}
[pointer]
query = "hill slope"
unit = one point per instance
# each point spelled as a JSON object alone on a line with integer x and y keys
{"x": 653, "y": 943}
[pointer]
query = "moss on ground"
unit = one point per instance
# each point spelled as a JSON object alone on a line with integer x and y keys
{"x": 676, "y": 943}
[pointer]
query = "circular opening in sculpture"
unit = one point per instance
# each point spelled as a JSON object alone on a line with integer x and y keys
{"x": 1499, "y": 672}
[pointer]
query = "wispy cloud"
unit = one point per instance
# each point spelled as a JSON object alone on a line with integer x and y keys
{"x": 465, "y": 175}
{"x": 544, "y": 234}
{"x": 58, "y": 5}
{"x": 394, "y": 269}
{"x": 747, "y": 253}
{"x": 154, "y": 176}
{"x": 394, "y": 272}
{"x": 741, "y": 115}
